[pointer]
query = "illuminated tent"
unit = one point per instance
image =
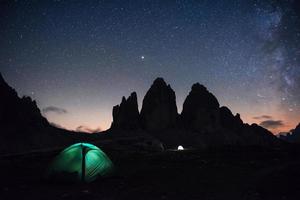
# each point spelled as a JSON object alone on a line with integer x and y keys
{"x": 180, "y": 148}
{"x": 80, "y": 162}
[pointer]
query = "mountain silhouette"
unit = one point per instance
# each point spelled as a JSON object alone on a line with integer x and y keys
{"x": 202, "y": 122}
{"x": 159, "y": 110}
{"x": 23, "y": 128}
{"x": 293, "y": 136}
{"x": 126, "y": 115}
{"x": 200, "y": 110}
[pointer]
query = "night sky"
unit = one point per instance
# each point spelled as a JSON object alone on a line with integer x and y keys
{"x": 78, "y": 58}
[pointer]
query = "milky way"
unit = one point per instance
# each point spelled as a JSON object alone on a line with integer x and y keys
{"x": 282, "y": 48}
{"x": 79, "y": 58}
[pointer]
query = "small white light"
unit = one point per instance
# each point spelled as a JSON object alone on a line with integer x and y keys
{"x": 180, "y": 148}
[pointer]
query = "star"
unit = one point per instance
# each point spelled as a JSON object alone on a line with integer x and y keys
{"x": 252, "y": 68}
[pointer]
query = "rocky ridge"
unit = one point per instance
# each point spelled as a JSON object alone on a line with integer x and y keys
{"x": 202, "y": 122}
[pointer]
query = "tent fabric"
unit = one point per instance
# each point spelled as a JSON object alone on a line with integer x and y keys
{"x": 80, "y": 162}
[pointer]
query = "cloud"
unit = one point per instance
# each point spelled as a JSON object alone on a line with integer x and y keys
{"x": 263, "y": 117}
{"x": 55, "y": 110}
{"x": 87, "y": 129}
{"x": 272, "y": 124}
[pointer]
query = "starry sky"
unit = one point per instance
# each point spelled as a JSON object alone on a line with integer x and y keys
{"x": 78, "y": 58}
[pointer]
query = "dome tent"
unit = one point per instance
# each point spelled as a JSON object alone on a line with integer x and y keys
{"x": 80, "y": 162}
{"x": 180, "y": 148}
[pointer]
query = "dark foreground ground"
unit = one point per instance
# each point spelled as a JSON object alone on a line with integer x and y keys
{"x": 251, "y": 173}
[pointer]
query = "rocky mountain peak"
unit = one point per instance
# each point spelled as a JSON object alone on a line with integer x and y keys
{"x": 6, "y": 91}
{"x": 159, "y": 82}
{"x": 228, "y": 120}
{"x": 159, "y": 110}
{"x": 126, "y": 115}
{"x": 200, "y": 109}
{"x": 201, "y": 96}
{"x": 201, "y": 123}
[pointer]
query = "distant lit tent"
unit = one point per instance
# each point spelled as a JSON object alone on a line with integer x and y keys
{"x": 180, "y": 148}
{"x": 80, "y": 162}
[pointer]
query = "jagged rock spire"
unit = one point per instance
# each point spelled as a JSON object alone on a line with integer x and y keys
{"x": 15, "y": 110}
{"x": 159, "y": 110}
{"x": 200, "y": 109}
{"x": 126, "y": 115}
{"x": 201, "y": 123}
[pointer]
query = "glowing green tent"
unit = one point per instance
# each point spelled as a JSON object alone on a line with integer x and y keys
{"x": 80, "y": 162}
